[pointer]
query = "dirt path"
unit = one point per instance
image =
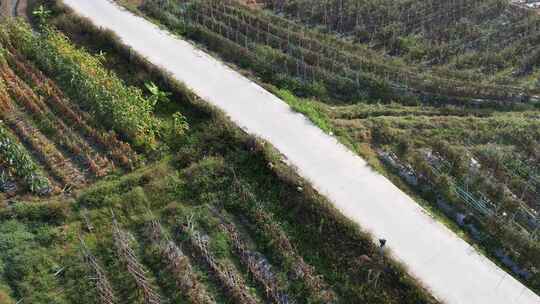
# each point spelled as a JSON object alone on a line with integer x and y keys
{"x": 454, "y": 271}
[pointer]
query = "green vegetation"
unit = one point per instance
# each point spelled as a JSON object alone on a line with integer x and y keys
{"x": 85, "y": 80}
{"x": 316, "y": 63}
{"x": 18, "y": 162}
{"x": 312, "y": 110}
{"x": 67, "y": 146}
{"x": 176, "y": 221}
{"x": 439, "y": 96}
{"x": 465, "y": 39}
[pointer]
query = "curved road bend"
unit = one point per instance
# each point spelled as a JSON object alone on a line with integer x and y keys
{"x": 447, "y": 265}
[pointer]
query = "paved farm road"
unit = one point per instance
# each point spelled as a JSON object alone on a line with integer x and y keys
{"x": 447, "y": 265}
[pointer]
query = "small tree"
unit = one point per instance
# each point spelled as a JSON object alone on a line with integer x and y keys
{"x": 180, "y": 124}
{"x": 157, "y": 95}
{"x": 42, "y": 14}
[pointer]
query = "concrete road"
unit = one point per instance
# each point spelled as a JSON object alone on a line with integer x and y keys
{"x": 448, "y": 266}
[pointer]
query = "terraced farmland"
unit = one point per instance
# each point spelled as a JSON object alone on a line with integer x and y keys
{"x": 122, "y": 187}
{"x": 439, "y": 95}
{"x": 315, "y": 63}
{"x": 176, "y": 252}
{"x": 488, "y": 41}
{"x": 119, "y": 185}
{"x": 51, "y": 144}
{"x": 478, "y": 166}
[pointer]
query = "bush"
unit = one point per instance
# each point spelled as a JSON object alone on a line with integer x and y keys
{"x": 219, "y": 245}
{"x": 207, "y": 180}
{"x": 53, "y": 212}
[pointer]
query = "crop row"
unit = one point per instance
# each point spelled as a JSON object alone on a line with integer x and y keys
{"x": 54, "y": 127}
{"x": 488, "y": 31}
{"x": 228, "y": 276}
{"x": 499, "y": 225}
{"x": 303, "y": 54}
{"x": 14, "y": 159}
{"x": 84, "y": 79}
{"x": 21, "y": 164}
{"x": 131, "y": 263}
{"x": 57, "y": 102}
{"x": 178, "y": 264}
{"x": 358, "y": 17}
{"x": 171, "y": 262}
{"x": 69, "y": 142}
{"x": 102, "y": 284}
{"x": 257, "y": 265}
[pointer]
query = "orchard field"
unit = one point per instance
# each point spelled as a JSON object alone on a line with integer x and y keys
{"x": 121, "y": 186}
{"x": 440, "y": 96}
{"x": 118, "y": 185}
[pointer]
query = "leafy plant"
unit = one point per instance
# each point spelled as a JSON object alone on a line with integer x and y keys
{"x": 180, "y": 124}
{"x": 21, "y": 163}
{"x": 157, "y": 95}
{"x": 42, "y": 14}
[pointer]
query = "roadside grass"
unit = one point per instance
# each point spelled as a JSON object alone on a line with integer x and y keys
{"x": 312, "y": 110}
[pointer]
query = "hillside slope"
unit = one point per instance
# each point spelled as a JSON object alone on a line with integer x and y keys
{"x": 325, "y": 163}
